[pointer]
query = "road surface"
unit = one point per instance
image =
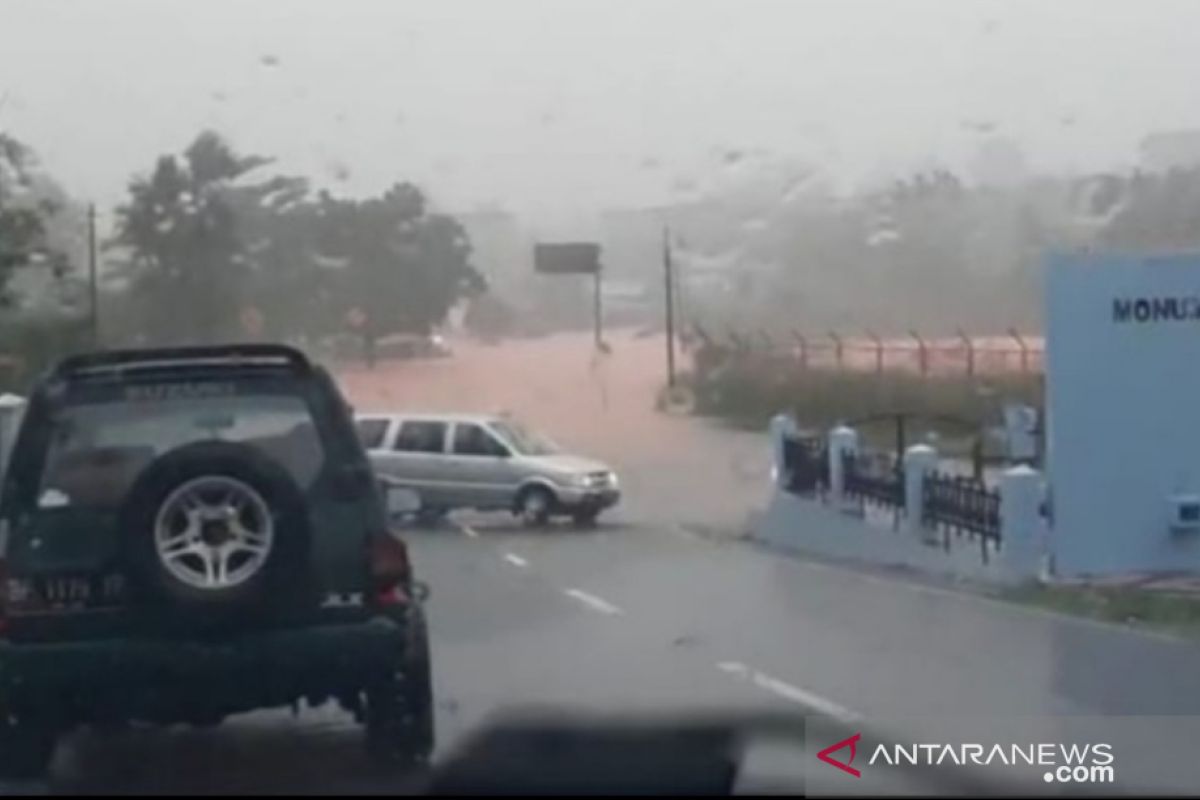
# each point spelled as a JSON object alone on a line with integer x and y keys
{"x": 658, "y": 619}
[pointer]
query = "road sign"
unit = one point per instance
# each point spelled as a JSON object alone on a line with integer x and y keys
{"x": 567, "y": 258}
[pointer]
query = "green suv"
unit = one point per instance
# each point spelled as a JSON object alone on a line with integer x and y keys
{"x": 191, "y": 533}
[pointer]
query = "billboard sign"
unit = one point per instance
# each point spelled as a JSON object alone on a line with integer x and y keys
{"x": 567, "y": 258}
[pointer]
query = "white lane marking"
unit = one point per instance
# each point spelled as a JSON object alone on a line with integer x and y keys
{"x": 787, "y": 691}
{"x": 593, "y": 602}
{"x": 467, "y": 530}
{"x": 515, "y": 559}
{"x": 683, "y": 532}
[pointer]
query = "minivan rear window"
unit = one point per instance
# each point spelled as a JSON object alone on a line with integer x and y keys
{"x": 371, "y": 432}
{"x": 418, "y": 436}
{"x": 473, "y": 440}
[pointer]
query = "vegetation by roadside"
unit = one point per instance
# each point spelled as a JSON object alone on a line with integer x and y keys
{"x": 1168, "y": 611}
{"x": 746, "y": 392}
{"x": 32, "y": 344}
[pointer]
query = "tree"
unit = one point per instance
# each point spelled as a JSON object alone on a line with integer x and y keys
{"x": 401, "y": 266}
{"x": 207, "y": 238}
{"x": 1150, "y": 211}
{"x": 187, "y": 260}
{"x": 27, "y": 203}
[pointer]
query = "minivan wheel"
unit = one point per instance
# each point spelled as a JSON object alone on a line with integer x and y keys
{"x": 534, "y": 505}
{"x": 26, "y": 748}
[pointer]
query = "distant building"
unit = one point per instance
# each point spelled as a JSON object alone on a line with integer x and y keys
{"x": 1162, "y": 152}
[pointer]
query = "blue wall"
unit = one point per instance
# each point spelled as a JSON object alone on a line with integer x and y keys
{"x": 1123, "y": 402}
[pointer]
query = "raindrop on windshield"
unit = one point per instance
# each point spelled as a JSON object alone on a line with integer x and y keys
{"x": 684, "y": 186}
{"x": 795, "y": 187}
{"x": 979, "y": 126}
{"x": 339, "y": 171}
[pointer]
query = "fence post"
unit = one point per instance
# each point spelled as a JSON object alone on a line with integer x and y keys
{"x": 779, "y": 429}
{"x": 1020, "y": 521}
{"x": 970, "y": 345}
{"x": 878, "y": 351}
{"x": 922, "y": 354}
{"x": 1024, "y": 349}
{"x": 803, "y": 349}
{"x": 11, "y": 409}
{"x": 919, "y": 461}
{"x": 842, "y": 440}
{"x": 837, "y": 348}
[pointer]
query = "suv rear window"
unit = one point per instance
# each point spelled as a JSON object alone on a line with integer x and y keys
{"x": 97, "y": 450}
{"x": 421, "y": 437}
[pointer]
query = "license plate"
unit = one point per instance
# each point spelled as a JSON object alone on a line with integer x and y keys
{"x": 81, "y": 591}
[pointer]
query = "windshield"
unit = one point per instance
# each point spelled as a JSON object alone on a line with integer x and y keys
{"x": 523, "y": 440}
{"x": 829, "y": 357}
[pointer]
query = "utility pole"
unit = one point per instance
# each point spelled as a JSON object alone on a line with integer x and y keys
{"x": 669, "y": 303}
{"x": 596, "y": 310}
{"x": 93, "y": 284}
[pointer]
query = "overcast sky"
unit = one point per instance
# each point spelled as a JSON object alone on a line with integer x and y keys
{"x": 558, "y": 108}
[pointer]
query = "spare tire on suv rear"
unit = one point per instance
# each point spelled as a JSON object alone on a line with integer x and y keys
{"x": 218, "y": 528}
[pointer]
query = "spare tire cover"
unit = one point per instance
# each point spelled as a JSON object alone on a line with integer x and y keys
{"x": 217, "y": 526}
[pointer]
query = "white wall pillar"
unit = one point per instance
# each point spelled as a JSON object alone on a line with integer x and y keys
{"x": 919, "y": 461}
{"x": 842, "y": 440}
{"x": 12, "y": 408}
{"x": 780, "y": 428}
{"x": 1021, "y": 540}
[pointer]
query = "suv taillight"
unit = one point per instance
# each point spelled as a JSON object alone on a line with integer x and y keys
{"x": 3, "y": 593}
{"x": 3, "y": 575}
{"x": 390, "y": 571}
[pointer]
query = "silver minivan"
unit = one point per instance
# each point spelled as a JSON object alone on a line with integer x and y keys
{"x": 485, "y": 462}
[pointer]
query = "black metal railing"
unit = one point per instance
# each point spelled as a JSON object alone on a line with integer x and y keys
{"x": 960, "y": 506}
{"x": 883, "y": 487}
{"x": 806, "y": 460}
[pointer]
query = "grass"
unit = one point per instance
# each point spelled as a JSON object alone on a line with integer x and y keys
{"x": 1167, "y": 611}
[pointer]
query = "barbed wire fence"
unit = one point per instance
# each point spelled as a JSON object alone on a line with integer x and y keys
{"x": 963, "y": 354}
